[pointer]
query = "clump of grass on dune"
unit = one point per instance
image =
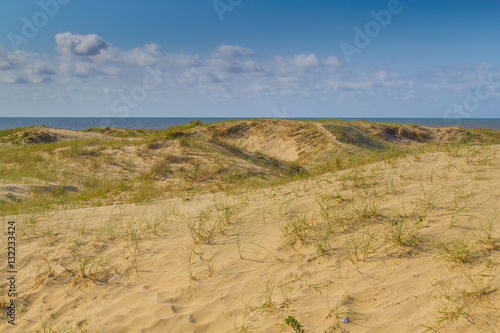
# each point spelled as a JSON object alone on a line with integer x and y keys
{"x": 363, "y": 156}
{"x": 15, "y": 135}
{"x": 120, "y": 133}
{"x": 288, "y": 170}
{"x": 47, "y": 164}
{"x": 485, "y": 135}
{"x": 175, "y": 132}
{"x": 354, "y": 136}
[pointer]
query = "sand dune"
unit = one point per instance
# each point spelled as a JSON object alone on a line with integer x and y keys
{"x": 404, "y": 245}
{"x": 42, "y": 134}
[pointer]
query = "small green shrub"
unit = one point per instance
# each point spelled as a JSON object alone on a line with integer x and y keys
{"x": 293, "y": 323}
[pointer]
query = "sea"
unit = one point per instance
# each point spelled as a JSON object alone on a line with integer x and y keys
{"x": 162, "y": 123}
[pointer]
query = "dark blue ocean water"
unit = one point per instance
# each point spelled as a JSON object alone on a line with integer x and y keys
{"x": 162, "y": 123}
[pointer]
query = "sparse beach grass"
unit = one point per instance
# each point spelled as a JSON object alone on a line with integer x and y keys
{"x": 259, "y": 225}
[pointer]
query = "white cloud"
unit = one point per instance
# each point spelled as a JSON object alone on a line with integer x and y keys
{"x": 41, "y": 69}
{"x": 148, "y": 55}
{"x": 209, "y": 78}
{"x": 233, "y": 51}
{"x": 306, "y": 60}
{"x": 85, "y": 69}
{"x": 331, "y": 62}
{"x": 15, "y": 79}
{"x": 40, "y": 73}
{"x": 197, "y": 75}
{"x": 35, "y": 74}
{"x": 23, "y": 67}
{"x": 231, "y": 71}
{"x": 232, "y": 66}
{"x": 19, "y": 59}
{"x": 372, "y": 84}
{"x": 80, "y": 45}
{"x": 4, "y": 64}
{"x": 458, "y": 78}
{"x": 300, "y": 64}
{"x": 184, "y": 60}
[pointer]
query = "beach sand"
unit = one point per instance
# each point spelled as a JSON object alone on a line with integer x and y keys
{"x": 407, "y": 245}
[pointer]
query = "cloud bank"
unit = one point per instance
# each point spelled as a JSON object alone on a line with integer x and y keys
{"x": 230, "y": 72}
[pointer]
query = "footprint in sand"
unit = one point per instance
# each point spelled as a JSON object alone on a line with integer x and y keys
{"x": 202, "y": 317}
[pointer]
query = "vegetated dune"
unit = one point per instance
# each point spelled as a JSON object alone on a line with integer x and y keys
{"x": 207, "y": 157}
{"x": 402, "y": 242}
{"x": 42, "y": 134}
{"x": 294, "y": 141}
{"x": 108, "y": 166}
{"x": 23, "y": 191}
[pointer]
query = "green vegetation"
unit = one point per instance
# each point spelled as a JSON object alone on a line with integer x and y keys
{"x": 293, "y": 323}
{"x": 176, "y": 132}
{"x": 333, "y": 226}
{"x": 15, "y": 135}
{"x": 138, "y": 165}
{"x": 354, "y": 136}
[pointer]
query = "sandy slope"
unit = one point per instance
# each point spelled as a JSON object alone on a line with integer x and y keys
{"x": 127, "y": 268}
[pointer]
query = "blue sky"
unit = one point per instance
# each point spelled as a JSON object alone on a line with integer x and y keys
{"x": 250, "y": 58}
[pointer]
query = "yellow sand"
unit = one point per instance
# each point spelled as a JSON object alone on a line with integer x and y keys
{"x": 134, "y": 268}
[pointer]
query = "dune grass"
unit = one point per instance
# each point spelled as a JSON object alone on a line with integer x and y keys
{"x": 209, "y": 162}
{"x": 322, "y": 229}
